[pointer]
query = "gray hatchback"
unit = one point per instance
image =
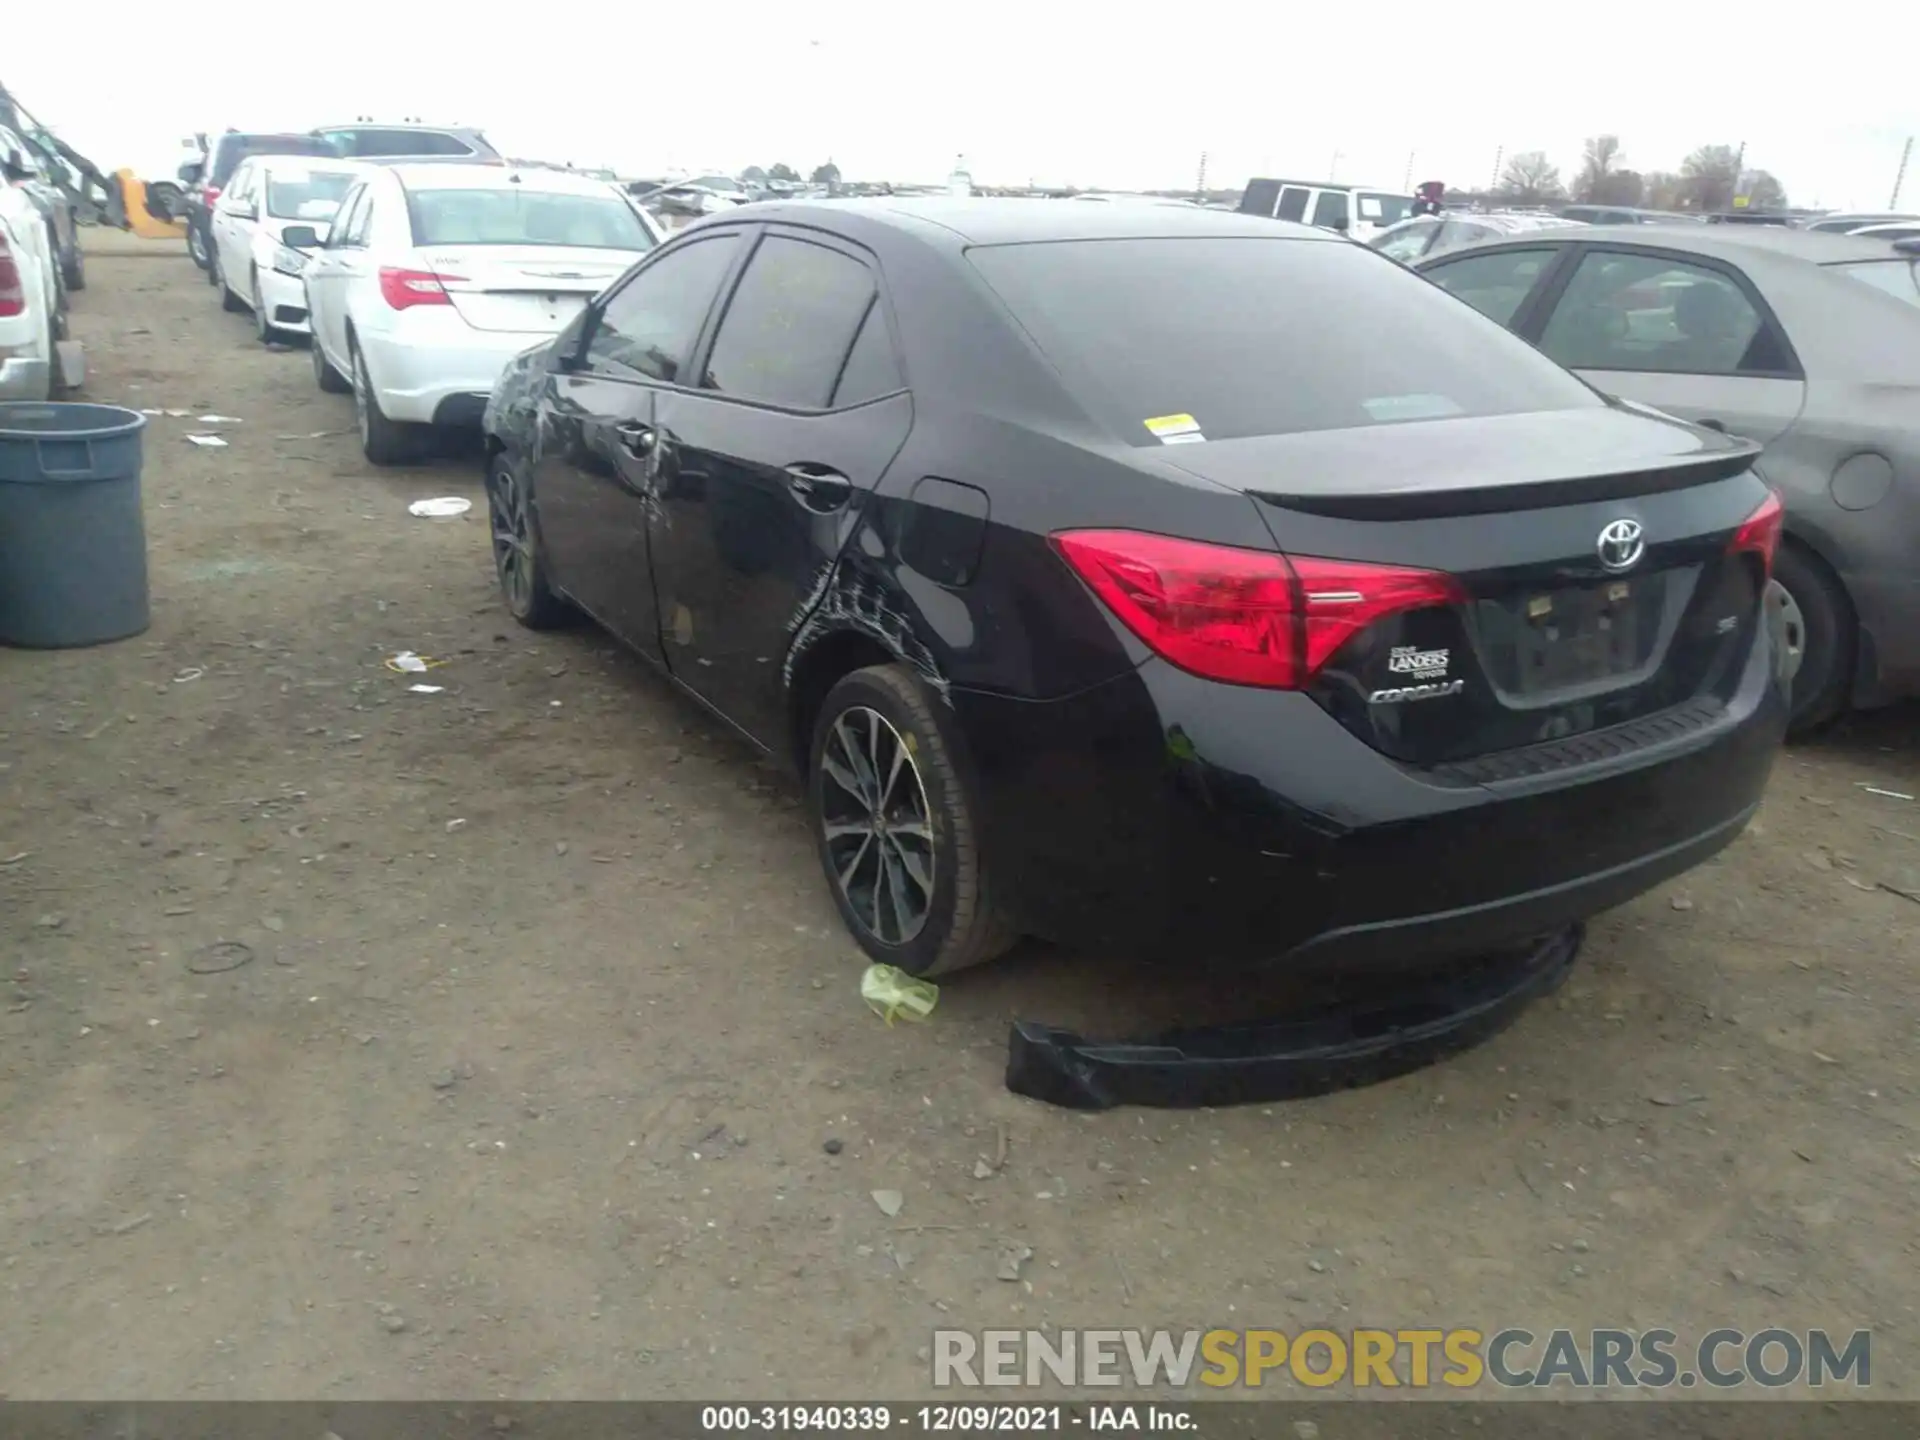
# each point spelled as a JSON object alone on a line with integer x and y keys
{"x": 1807, "y": 343}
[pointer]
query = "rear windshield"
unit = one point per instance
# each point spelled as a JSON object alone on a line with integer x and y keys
{"x": 306, "y": 194}
{"x": 1899, "y": 278}
{"x": 519, "y": 216}
{"x": 1250, "y": 336}
{"x": 376, "y": 144}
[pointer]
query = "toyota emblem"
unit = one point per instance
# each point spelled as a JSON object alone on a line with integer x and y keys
{"x": 1621, "y": 545}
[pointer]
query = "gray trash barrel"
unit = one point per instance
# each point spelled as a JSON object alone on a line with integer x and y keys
{"x": 73, "y": 543}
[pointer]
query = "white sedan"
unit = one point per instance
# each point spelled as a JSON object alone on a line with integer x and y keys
{"x": 433, "y": 276}
{"x": 253, "y": 266}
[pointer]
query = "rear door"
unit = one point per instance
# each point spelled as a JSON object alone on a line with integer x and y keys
{"x": 596, "y": 476}
{"x": 1684, "y": 333}
{"x": 765, "y": 466}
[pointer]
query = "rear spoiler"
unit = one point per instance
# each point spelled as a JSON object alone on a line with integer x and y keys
{"x": 1437, "y": 504}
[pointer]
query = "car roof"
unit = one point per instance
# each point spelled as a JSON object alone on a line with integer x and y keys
{"x": 959, "y": 220}
{"x": 461, "y": 175}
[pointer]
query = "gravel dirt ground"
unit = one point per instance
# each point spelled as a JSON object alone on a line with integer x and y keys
{"x": 526, "y": 1085}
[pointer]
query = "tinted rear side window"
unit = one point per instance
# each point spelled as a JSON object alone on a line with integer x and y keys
{"x": 790, "y": 325}
{"x": 1262, "y": 337}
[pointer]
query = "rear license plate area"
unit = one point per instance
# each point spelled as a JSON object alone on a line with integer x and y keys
{"x": 1564, "y": 638}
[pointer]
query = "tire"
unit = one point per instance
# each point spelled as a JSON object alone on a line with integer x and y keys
{"x": 382, "y": 441}
{"x": 1819, "y": 618}
{"x": 517, "y": 559}
{"x": 74, "y": 267}
{"x": 229, "y": 302}
{"x": 197, "y": 245}
{"x": 163, "y": 200}
{"x": 958, "y": 925}
{"x": 324, "y": 375}
{"x": 262, "y": 327}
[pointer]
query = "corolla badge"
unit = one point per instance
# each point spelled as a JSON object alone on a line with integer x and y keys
{"x": 1621, "y": 544}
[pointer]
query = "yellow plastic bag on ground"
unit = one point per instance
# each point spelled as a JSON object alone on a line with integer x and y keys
{"x": 891, "y": 992}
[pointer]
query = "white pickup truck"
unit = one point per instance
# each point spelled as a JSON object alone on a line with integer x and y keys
{"x": 31, "y": 322}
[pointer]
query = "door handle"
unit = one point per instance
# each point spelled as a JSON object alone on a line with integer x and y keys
{"x": 818, "y": 488}
{"x": 635, "y": 438}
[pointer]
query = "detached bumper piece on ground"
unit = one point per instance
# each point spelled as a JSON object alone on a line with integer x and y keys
{"x": 1331, "y": 1049}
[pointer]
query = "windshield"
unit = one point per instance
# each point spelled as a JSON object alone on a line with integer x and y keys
{"x": 306, "y": 194}
{"x": 1251, "y": 336}
{"x": 520, "y": 216}
{"x": 1899, "y": 278}
{"x": 1378, "y": 209}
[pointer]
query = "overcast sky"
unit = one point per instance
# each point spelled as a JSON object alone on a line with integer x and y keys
{"x": 1108, "y": 95}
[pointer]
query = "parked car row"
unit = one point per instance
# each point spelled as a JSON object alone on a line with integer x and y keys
{"x": 415, "y": 280}
{"x": 33, "y": 290}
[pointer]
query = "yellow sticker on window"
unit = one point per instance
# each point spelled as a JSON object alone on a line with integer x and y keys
{"x": 1164, "y": 427}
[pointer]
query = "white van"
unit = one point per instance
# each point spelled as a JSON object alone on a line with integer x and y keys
{"x": 1357, "y": 211}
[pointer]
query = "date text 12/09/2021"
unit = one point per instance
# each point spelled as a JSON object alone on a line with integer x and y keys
{"x": 942, "y": 1419}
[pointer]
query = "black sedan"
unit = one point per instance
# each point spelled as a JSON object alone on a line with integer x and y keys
{"x": 1170, "y": 582}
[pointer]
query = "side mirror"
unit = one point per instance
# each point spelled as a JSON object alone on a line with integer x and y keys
{"x": 300, "y": 237}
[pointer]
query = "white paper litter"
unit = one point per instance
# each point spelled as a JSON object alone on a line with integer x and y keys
{"x": 179, "y": 414}
{"x": 427, "y": 689}
{"x": 153, "y": 412}
{"x": 221, "y": 420}
{"x": 411, "y": 663}
{"x": 445, "y": 507}
{"x": 212, "y": 442}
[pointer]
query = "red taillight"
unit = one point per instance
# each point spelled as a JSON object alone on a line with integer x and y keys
{"x": 403, "y": 289}
{"x": 13, "y": 291}
{"x": 1759, "y": 533}
{"x": 1248, "y": 617}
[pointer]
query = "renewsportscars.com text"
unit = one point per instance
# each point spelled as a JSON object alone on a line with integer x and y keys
{"x": 1459, "y": 1359}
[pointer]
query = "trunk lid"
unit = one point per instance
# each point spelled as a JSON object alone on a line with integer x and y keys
{"x": 535, "y": 289}
{"x": 1591, "y": 549}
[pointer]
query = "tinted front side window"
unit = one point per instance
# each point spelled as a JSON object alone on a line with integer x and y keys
{"x": 1261, "y": 337}
{"x": 649, "y": 326}
{"x": 520, "y": 216}
{"x": 790, "y": 324}
{"x": 1293, "y": 203}
{"x": 1260, "y": 197}
{"x": 1641, "y": 312}
{"x": 1495, "y": 284}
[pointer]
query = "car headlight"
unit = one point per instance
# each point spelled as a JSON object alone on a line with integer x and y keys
{"x": 287, "y": 260}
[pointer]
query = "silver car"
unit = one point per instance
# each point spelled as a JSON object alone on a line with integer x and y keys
{"x": 1807, "y": 343}
{"x": 1425, "y": 235}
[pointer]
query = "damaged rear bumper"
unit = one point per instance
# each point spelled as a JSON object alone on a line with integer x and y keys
{"x": 1318, "y": 1053}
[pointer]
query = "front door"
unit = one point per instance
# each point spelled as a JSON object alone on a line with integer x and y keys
{"x": 1683, "y": 334}
{"x": 766, "y": 466}
{"x": 329, "y": 272}
{"x": 596, "y": 468}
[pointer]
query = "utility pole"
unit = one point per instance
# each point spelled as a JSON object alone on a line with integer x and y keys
{"x": 1740, "y": 157}
{"x": 1333, "y": 167}
{"x": 1900, "y": 175}
{"x": 1499, "y": 154}
{"x": 1200, "y": 181}
{"x": 1407, "y": 184}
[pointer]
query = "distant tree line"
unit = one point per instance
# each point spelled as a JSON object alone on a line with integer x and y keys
{"x": 827, "y": 174}
{"x": 1706, "y": 180}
